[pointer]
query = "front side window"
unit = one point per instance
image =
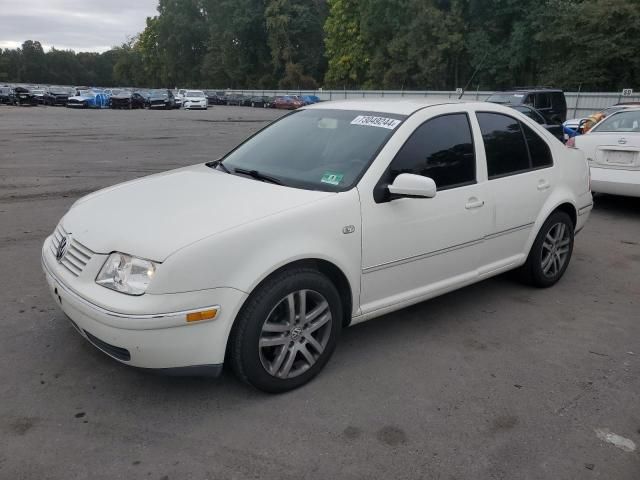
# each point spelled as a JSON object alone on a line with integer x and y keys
{"x": 441, "y": 149}
{"x": 315, "y": 149}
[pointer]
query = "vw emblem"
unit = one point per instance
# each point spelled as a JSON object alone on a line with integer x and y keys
{"x": 295, "y": 333}
{"x": 62, "y": 249}
{"x": 622, "y": 141}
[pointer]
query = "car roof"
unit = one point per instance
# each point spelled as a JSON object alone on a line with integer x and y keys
{"x": 404, "y": 106}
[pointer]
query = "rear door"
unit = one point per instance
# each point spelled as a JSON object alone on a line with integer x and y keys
{"x": 520, "y": 179}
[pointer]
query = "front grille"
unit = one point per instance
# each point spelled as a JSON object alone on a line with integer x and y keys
{"x": 116, "y": 352}
{"x": 77, "y": 255}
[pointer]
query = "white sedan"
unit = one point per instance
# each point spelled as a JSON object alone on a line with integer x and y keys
{"x": 263, "y": 256}
{"x": 195, "y": 99}
{"x": 612, "y": 149}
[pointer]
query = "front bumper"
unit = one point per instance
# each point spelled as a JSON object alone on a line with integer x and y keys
{"x": 615, "y": 181}
{"x": 195, "y": 106}
{"x": 159, "y": 341}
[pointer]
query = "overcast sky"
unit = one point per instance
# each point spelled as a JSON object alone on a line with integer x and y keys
{"x": 81, "y": 25}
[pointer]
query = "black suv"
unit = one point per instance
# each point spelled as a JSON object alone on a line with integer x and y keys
{"x": 550, "y": 102}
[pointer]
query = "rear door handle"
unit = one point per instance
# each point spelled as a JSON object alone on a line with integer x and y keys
{"x": 543, "y": 185}
{"x": 473, "y": 203}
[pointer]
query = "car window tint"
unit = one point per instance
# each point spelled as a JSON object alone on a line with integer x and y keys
{"x": 532, "y": 114}
{"x": 538, "y": 149}
{"x": 442, "y": 149}
{"x": 504, "y": 144}
{"x": 543, "y": 100}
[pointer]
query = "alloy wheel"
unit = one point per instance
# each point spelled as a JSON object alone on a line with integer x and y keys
{"x": 295, "y": 334}
{"x": 555, "y": 249}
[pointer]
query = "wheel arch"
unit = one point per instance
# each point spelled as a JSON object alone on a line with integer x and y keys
{"x": 327, "y": 268}
{"x": 569, "y": 209}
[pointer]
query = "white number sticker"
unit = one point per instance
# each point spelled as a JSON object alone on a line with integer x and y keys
{"x": 370, "y": 121}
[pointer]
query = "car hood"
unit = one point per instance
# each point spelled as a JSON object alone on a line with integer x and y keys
{"x": 154, "y": 216}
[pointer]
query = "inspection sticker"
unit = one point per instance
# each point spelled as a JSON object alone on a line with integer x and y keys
{"x": 332, "y": 178}
{"x": 370, "y": 121}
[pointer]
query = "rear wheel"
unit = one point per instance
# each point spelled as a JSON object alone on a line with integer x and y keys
{"x": 287, "y": 331}
{"x": 551, "y": 252}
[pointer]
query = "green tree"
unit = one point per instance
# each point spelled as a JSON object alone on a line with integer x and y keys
{"x": 348, "y": 61}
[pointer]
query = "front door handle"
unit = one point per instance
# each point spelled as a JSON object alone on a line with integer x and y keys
{"x": 543, "y": 185}
{"x": 473, "y": 203}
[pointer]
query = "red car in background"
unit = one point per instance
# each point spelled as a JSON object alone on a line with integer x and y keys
{"x": 288, "y": 102}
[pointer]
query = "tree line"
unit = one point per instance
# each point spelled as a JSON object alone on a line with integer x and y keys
{"x": 353, "y": 44}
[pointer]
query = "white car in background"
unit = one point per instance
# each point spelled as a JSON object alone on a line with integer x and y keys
{"x": 178, "y": 95}
{"x": 612, "y": 149}
{"x": 263, "y": 256}
{"x": 195, "y": 100}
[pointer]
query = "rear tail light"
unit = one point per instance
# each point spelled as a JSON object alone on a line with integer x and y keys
{"x": 571, "y": 143}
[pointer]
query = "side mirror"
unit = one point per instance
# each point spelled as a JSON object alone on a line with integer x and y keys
{"x": 413, "y": 186}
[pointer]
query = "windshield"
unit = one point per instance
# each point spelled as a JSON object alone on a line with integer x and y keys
{"x": 504, "y": 98}
{"x": 625, "y": 121}
{"x": 85, "y": 93}
{"x": 193, "y": 93}
{"x": 319, "y": 149}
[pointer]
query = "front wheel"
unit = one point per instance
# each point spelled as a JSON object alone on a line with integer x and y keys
{"x": 551, "y": 251}
{"x": 287, "y": 330}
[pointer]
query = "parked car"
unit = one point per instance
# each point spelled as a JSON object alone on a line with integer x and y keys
{"x": 235, "y": 99}
{"x": 39, "y": 94}
{"x": 392, "y": 203}
{"x": 551, "y": 103}
{"x": 24, "y": 97}
{"x": 287, "y": 102}
{"x": 258, "y": 101}
{"x": 310, "y": 99}
{"x": 179, "y": 97}
{"x": 7, "y": 96}
{"x": 195, "y": 100}
{"x": 57, "y": 96}
{"x": 554, "y": 128}
{"x": 612, "y": 148}
{"x": 89, "y": 99}
{"x": 161, "y": 99}
{"x": 127, "y": 100}
{"x": 584, "y": 124}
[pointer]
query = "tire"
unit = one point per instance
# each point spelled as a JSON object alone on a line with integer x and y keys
{"x": 291, "y": 356}
{"x": 551, "y": 252}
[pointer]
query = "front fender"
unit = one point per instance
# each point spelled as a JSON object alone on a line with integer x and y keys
{"x": 243, "y": 257}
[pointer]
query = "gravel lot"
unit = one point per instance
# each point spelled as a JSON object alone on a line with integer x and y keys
{"x": 495, "y": 381}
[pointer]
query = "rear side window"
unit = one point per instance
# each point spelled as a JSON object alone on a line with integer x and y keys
{"x": 507, "y": 151}
{"x": 504, "y": 144}
{"x": 442, "y": 149}
{"x": 543, "y": 100}
{"x": 538, "y": 149}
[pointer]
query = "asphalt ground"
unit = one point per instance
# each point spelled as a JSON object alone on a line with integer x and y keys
{"x": 494, "y": 381}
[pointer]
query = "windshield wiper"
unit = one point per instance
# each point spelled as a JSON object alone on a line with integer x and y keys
{"x": 218, "y": 163}
{"x": 257, "y": 175}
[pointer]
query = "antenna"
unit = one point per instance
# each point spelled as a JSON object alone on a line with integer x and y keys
{"x": 474, "y": 74}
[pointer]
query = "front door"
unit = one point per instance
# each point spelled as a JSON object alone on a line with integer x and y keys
{"x": 414, "y": 248}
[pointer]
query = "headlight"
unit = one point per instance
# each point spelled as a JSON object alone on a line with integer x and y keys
{"x": 126, "y": 274}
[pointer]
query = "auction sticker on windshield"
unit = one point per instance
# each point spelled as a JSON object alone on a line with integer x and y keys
{"x": 370, "y": 121}
{"x": 332, "y": 178}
